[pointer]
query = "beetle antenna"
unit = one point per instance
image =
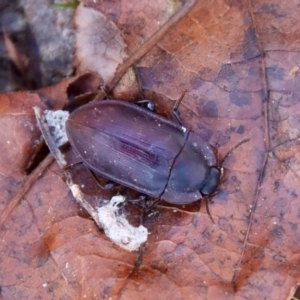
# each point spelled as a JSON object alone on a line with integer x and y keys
{"x": 206, "y": 199}
{"x": 176, "y": 105}
{"x": 208, "y": 211}
{"x": 232, "y": 149}
{"x": 175, "y": 111}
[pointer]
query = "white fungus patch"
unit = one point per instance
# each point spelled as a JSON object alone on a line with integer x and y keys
{"x": 57, "y": 125}
{"x": 118, "y": 229}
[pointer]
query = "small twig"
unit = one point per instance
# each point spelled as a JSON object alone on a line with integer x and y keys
{"x": 80, "y": 199}
{"x": 43, "y": 124}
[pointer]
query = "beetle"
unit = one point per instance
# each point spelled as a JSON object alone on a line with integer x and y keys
{"x": 142, "y": 150}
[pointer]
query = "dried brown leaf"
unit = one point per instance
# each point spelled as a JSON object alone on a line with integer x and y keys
{"x": 238, "y": 62}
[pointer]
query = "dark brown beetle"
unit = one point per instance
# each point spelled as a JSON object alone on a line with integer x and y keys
{"x": 139, "y": 149}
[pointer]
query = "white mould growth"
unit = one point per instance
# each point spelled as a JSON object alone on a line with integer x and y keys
{"x": 57, "y": 125}
{"x": 118, "y": 229}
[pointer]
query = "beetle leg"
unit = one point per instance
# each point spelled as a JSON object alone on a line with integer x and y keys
{"x": 149, "y": 104}
{"x": 177, "y": 116}
{"x": 141, "y": 198}
{"x": 153, "y": 204}
{"x": 72, "y": 165}
{"x": 145, "y": 201}
{"x": 107, "y": 186}
{"x": 175, "y": 111}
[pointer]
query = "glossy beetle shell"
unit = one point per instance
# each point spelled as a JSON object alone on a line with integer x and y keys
{"x": 141, "y": 150}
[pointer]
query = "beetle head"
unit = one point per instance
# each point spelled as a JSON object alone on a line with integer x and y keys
{"x": 216, "y": 173}
{"x": 212, "y": 181}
